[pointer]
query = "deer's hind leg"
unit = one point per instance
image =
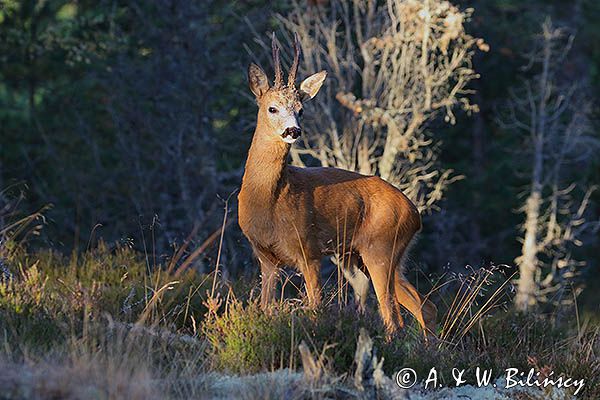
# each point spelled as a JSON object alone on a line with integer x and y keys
{"x": 380, "y": 267}
{"x": 407, "y": 296}
{"x": 421, "y": 308}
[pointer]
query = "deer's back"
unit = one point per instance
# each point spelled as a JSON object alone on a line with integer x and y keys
{"x": 345, "y": 206}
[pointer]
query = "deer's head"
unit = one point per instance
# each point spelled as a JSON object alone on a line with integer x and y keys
{"x": 280, "y": 105}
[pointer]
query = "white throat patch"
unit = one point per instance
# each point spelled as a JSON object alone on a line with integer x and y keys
{"x": 288, "y": 139}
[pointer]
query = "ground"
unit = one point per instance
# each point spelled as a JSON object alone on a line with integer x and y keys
{"x": 105, "y": 324}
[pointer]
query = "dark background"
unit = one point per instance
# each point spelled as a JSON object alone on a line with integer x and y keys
{"x": 133, "y": 119}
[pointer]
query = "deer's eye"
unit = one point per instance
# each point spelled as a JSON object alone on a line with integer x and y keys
{"x": 272, "y": 110}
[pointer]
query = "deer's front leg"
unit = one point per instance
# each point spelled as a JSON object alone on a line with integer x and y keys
{"x": 269, "y": 273}
{"x": 311, "y": 273}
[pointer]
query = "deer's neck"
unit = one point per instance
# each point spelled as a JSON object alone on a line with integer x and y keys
{"x": 265, "y": 166}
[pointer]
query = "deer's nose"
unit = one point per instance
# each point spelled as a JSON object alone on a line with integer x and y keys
{"x": 293, "y": 131}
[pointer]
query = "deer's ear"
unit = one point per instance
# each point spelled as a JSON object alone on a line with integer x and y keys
{"x": 311, "y": 85}
{"x": 259, "y": 84}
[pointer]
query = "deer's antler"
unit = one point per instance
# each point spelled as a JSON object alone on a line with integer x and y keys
{"x": 276, "y": 63}
{"x": 294, "y": 68}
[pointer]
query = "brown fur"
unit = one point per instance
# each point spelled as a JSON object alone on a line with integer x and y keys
{"x": 295, "y": 216}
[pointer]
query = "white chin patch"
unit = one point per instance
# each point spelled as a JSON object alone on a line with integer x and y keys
{"x": 288, "y": 139}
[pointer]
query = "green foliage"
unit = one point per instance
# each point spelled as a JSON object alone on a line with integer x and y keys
{"x": 48, "y": 295}
{"x": 24, "y": 310}
{"x": 53, "y": 303}
{"x": 28, "y": 295}
{"x": 244, "y": 340}
{"x": 118, "y": 113}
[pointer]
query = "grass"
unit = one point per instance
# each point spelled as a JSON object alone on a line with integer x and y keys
{"x": 105, "y": 324}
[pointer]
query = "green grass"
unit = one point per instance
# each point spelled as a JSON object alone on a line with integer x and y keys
{"x": 107, "y": 322}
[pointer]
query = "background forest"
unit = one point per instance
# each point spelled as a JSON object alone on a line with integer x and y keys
{"x": 124, "y": 127}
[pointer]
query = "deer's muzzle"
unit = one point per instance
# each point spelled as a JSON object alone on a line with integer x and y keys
{"x": 294, "y": 132}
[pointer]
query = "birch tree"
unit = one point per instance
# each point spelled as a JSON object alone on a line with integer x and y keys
{"x": 553, "y": 115}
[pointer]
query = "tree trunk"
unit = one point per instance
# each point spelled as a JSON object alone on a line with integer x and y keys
{"x": 526, "y": 297}
{"x": 527, "y": 283}
{"x": 393, "y": 144}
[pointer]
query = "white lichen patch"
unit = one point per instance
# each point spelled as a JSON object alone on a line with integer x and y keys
{"x": 497, "y": 391}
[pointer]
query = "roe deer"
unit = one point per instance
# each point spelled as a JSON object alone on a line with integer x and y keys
{"x": 294, "y": 216}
